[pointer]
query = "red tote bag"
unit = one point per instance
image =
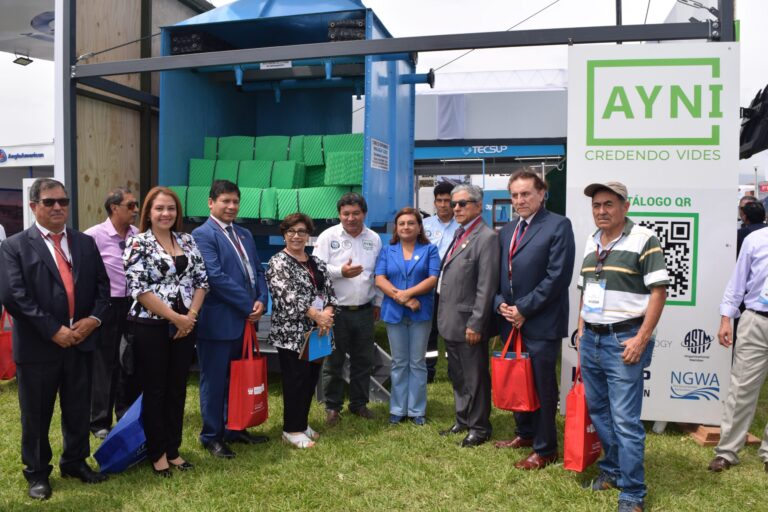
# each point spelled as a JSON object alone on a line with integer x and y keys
{"x": 512, "y": 384}
{"x": 248, "y": 386}
{"x": 581, "y": 446}
{"x": 7, "y": 366}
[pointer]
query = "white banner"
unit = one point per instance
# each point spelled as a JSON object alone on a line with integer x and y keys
{"x": 664, "y": 120}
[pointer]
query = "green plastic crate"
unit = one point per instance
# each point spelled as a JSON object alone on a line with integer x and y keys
{"x": 255, "y": 174}
{"x": 200, "y": 172}
{"x": 237, "y": 147}
{"x": 288, "y": 174}
{"x": 210, "y": 148}
{"x": 268, "y": 204}
{"x": 345, "y": 142}
{"x": 313, "y": 150}
{"x": 181, "y": 191}
{"x": 344, "y": 168}
{"x": 296, "y": 148}
{"x": 197, "y": 202}
{"x": 320, "y": 202}
{"x": 272, "y": 147}
{"x": 226, "y": 170}
{"x": 287, "y": 202}
{"x": 314, "y": 176}
{"x": 250, "y": 203}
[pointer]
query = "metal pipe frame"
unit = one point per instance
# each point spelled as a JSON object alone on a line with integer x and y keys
{"x": 481, "y": 40}
{"x": 69, "y": 110}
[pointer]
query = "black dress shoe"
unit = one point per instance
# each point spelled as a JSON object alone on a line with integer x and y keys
{"x": 83, "y": 472}
{"x": 39, "y": 489}
{"x": 220, "y": 449}
{"x": 162, "y": 473}
{"x": 184, "y": 466}
{"x": 242, "y": 436}
{"x": 472, "y": 440}
{"x": 455, "y": 429}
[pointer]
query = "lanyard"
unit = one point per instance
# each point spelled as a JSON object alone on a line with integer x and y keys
{"x": 464, "y": 236}
{"x": 603, "y": 255}
{"x": 513, "y": 244}
{"x": 308, "y": 268}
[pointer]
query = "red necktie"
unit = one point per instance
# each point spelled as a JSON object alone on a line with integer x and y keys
{"x": 65, "y": 270}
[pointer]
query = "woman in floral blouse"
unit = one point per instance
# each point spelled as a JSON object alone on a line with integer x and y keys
{"x": 302, "y": 299}
{"x": 166, "y": 277}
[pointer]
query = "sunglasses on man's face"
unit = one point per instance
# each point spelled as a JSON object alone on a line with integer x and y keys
{"x": 48, "y": 202}
{"x": 462, "y": 204}
{"x": 131, "y": 205}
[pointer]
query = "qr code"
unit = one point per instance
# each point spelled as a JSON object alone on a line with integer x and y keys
{"x": 678, "y": 240}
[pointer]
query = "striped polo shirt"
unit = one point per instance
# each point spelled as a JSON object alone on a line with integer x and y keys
{"x": 634, "y": 266}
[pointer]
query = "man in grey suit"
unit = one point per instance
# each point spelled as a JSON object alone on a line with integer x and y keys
{"x": 466, "y": 288}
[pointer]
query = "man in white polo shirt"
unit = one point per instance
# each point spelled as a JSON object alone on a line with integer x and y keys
{"x": 350, "y": 250}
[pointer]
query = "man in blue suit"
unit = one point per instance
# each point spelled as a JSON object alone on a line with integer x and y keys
{"x": 537, "y": 254}
{"x": 238, "y": 294}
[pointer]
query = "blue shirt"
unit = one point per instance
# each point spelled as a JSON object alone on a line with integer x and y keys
{"x": 424, "y": 263}
{"x": 440, "y": 234}
{"x": 748, "y": 276}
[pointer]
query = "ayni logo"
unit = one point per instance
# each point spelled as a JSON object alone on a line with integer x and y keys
{"x": 654, "y": 102}
{"x": 694, "y": 386}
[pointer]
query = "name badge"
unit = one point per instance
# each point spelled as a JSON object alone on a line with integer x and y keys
{"x": 594, "y": 296}
{"x": 764, "y": 293}
{"x": 318, "y": 303}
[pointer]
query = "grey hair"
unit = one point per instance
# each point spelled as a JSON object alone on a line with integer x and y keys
{"x": 115, "y": 197}
{"x": 41, "y": 184}
{"x": 475, "y": 193}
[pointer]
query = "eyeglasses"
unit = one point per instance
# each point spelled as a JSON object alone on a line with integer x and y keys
{"x": 48, "y": 202}
{"x": 462, "y": 204}
{"x": 131, "y": 205}
{"x": 297, "y": 232}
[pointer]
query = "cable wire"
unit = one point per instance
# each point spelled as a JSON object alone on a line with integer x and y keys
{"x": 86, "y": 56}
{"x": 647, "y": 10}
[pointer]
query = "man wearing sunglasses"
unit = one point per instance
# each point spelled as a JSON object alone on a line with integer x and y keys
{"x": 466, "y": 287}
{"x": 623, "y": 282}
{"x": 111, "y": 386}
{"x": 537, "y": 254}
{"x": 53, "y": 282}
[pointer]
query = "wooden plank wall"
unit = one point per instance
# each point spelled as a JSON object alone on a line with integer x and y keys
{"x": 109, "y": 135}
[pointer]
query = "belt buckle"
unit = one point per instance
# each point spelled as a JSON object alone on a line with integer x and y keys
{"x": 353, "y": 308}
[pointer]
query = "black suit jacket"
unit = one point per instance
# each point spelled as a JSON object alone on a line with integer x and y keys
{"x": 32, "y": 290}
{"x": 542, "y": 268}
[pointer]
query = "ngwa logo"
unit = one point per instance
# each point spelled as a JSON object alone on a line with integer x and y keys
{"x": 654, "y": 102}
{"x": 694, "y": 386}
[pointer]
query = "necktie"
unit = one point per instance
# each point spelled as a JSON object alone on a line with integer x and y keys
{"x": 65, "y": 270}
{"x": 520, "y": 232}
{"x": 456, "y": 236}
{"x": 243, "y": 259}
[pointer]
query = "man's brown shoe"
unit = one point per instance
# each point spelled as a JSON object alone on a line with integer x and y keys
{"x": 536, "y": 461}
{"x": 517, "y": 442}
{"x": 363, "y": 412}
{"x": 332, "y": 417}
{"x": 718, "y": 464}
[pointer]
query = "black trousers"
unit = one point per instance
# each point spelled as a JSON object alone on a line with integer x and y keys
{"x": 111, "y": 387}
{"x": 468, "y": 371}
{"x": 39, "y": 383}
{"x": 540, "y": 425}
{"x": 299, "y": 382}
{"x": 162, "y": 365}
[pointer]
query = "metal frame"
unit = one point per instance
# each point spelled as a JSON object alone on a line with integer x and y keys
{"x": 717, "y": 30}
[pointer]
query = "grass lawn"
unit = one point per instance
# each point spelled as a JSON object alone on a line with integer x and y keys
{"x": 370, "y": 465}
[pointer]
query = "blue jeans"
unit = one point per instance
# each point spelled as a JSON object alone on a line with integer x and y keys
{"x": 614, "y": 393}
{"x": 408, "y": 344}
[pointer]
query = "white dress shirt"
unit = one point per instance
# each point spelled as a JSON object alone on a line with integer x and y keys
{"x": 248, "y": 268}
{"x": 335, "y": 247}
{"x": 49, "y": 243}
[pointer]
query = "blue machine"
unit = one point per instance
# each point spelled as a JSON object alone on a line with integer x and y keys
{"x": 296, "y": 98}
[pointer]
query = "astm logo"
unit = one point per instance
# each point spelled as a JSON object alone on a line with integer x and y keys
{"x": 697, "y": 341}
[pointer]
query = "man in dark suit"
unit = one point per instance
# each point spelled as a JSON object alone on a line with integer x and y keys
{"x": 238, "y": 294}
{"x": 54, "y": 284}
{"x": 466, "y": 288}
{"x": 536, "y": 266}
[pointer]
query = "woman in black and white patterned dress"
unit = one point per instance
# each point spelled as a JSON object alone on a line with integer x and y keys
{"x": 302, "y": 299}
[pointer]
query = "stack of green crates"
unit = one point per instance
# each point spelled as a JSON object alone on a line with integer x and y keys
{"x": 288, "y": 174}
{"x": 250, "y": 203}
{"x": 272, "y": 147}
{"x": 237, "y": 147}
{"x": 344, "y": 168}
{"x": 255, "y": 174}
{"x": 320, "y": 202}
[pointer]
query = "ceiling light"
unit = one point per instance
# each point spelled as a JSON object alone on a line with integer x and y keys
{"x": 22, "y": 60}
